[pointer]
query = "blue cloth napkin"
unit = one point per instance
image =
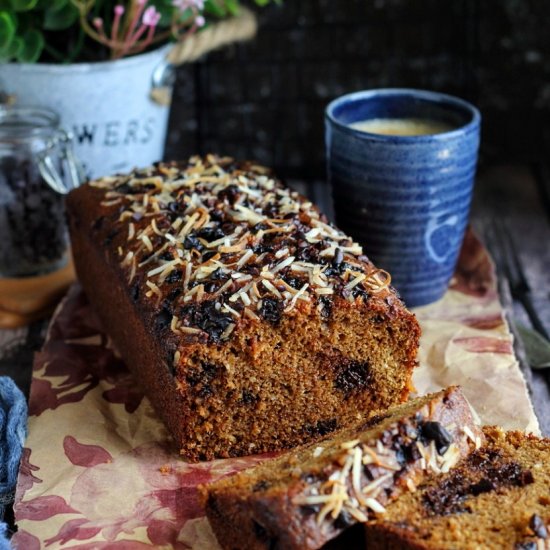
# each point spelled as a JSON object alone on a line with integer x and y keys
{"x": 13, "y": 431}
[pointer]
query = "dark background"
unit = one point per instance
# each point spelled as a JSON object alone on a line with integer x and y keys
{"x": 265, "y": 99}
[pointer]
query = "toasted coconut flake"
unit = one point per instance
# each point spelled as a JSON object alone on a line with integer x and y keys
{"x": 133, "y": 270}
{"x": 350, "y": 444}
{"x": 250, "y": 314}
{"x": 200, "y": 292}
{"x": 191, "y": 330}
{"x": 229, "y": 309}
{"x": 167, "y": 267}
{"x": 283, "y": 264}
{"x": 325, "y": 291}
{"x": 147, "y": 242}
{"x": 281, "y": 253}
{"x": 111, "y": 203}
{"x": 356, "y": 474}
{"x": 272, "y": 288}
{"x": 357, "y": 514}
{"x": 188, "y": 225}
{"x": 469, "y": 433}
{"x": 155, "y": 228}
{"x": 450, "y": 458}
{"x": 223, "y": 288}
{"x": 318, "y": 451}
{"x": 154, "y": 289}
{"x": 245, "y": 299}
{"x": 355, "y": 281}
{"x": 296, "y": 297}
{"x": 187, "y": 276}
{"x": 377, "y": 280}
{"x": 375, "y": 506}
{"x": 244, "y": 259}
{"x": 176, "y": 224}
{"x": 230, "y": 328}
{"x": 128, "y": 259}
{"x": 369, "y": 456}
{"x": 241, "y": 213}
{"x": 312, "y": 234}
{"x": 174, "y": 324}
{"x": 376, "y": 484}
{"x": 328, "y": 252}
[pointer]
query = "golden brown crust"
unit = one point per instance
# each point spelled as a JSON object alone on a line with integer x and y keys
{"x": 308, "y": 496}
{"x": 249, "y": 332}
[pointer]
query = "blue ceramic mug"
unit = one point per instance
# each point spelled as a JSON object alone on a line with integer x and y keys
{"x": 405, "y": 198}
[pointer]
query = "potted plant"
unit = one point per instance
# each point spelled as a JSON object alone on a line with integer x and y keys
{"x": 104, "y": 66}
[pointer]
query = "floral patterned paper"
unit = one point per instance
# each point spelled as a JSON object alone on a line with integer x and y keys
{"x": 99, "y": 470}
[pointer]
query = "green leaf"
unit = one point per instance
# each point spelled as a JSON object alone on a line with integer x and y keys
{"x": 52, "y": 4}
{"x": 232, "y": 6}
{"x": 60, "y": 19}
{"x": 14, "y": 49}
{"x": 215, "y": 7}
{"x": 8, "y": 25}
{"x": 536, "y": 346}
{"x": 33, "y": 44}
{"x": 23, "y": 5}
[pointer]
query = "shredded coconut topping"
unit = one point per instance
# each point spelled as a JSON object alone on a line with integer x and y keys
{"x": 225, "y": 241}
{"x": 365, "y": 472}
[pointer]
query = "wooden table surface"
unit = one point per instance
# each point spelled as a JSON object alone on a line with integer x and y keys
{"x": 511, "y": 213}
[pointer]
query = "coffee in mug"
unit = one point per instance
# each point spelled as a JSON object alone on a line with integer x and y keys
{"x": 402, "y": 126}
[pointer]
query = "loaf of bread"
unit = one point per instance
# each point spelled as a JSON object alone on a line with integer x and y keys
{"x": 308, "y": 496}
{"x": 496, "y": 499}
{"x": 251, "y": 322}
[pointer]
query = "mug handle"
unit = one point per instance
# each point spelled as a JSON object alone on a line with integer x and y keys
{"x": 74, "y": 172}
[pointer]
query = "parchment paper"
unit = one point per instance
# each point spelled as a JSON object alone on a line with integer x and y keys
{"x": 99, "y": 470}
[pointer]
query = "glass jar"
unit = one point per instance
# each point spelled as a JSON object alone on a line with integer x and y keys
{"x": 37, "y": 167}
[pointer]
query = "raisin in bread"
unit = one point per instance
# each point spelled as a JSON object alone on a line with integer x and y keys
{"x": 496, "y": 499}
{"x": 251, "y": 322}
{"x": 306, "y": 497}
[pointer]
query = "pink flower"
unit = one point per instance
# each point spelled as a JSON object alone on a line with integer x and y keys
{"x": 188, "y": 4}
{"x": 199, "y": 21}
{"x": 119, "y": 10}
{"x": 151, "y": 17}
{"x": 98, "y": 22}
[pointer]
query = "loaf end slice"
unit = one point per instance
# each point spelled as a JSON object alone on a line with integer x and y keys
{"x": 306, "y": 497}
{"x": 498, "y": 498}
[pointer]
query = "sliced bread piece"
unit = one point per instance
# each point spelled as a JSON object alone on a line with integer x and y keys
{"x": 308, "y": 496}
{"x": 497, "y": 498}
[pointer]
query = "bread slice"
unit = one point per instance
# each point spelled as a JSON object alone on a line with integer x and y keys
{"x": 251, "y": 323}
{"x": 308, "y": 496}
{"x": 497, "y": 498}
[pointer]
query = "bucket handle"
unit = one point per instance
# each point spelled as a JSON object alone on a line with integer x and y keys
{"x": 73, "y": 172}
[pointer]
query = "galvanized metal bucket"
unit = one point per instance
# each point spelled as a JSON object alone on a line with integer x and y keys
{"x": 112, "y": 108}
